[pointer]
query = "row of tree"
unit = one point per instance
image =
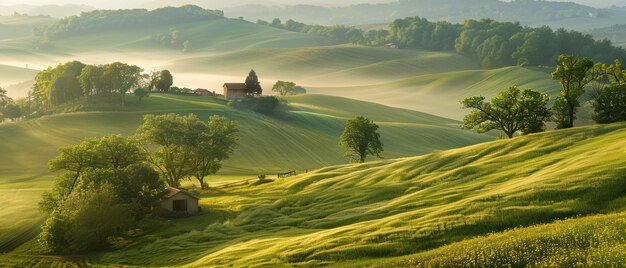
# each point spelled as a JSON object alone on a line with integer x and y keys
{"x": 490, "y": 43}
{"x": 107, "y": 185}
{"x": 73, "y": 80}
{"x": 526, "y": 111}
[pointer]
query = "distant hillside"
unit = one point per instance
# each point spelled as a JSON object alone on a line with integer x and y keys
{"x": 108, "y": 20}
{"x": 526, "y": 12}
{"x": 615, "y": 33}
{"x": 56, "y": 11}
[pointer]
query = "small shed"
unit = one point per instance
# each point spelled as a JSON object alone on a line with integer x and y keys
{"x": 235, "y": 91}
{"x": 203, "y": 92}
{"x": 180, "y": 201}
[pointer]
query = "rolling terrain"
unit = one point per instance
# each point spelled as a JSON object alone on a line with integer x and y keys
{"x": 419, "y": 209}
{"x": 304, "y": 137}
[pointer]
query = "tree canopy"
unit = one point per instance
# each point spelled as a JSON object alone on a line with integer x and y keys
{"x": 512, "y": 110}
{"x": 360, "y": 138}
{"x": 253, "y": 86}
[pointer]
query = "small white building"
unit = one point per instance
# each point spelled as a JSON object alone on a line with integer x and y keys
{"x": 180, "y": 201}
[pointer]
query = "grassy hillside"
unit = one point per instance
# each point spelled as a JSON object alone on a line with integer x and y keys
{"x": 338, "y": 65}
{"x": 440, "y": 93}
{"x": 12, "y": 27}
{"x": 304, "y": 137}
{"x": 419, "y": 205}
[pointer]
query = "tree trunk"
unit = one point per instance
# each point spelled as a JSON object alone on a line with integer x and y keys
{"x": 571, "y": 116}
{"x": 202, "y": 185}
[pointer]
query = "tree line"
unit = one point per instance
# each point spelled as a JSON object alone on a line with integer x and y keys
{"x": 105, "y": 20}
{"x": 107, "y": 185}
{"x": 490, "y": 43}
{"x": 74, "y": 80}
{"x": 526, "y": 111}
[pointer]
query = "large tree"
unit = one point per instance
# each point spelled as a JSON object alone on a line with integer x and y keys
{"x": 121, "y": 77}
{"x": 91, "y": 80}
{"x": 574, "y": 74}
{"x": 512, "y": 110}
{"x": 360, "y": 138}
{"x": 162, "y": 80}
{"x": 217, "y": 143}
{"x": 187, "y": 146}
{"x": 176, "y": 137}
{"x": 253, "y": 86}
{"x": 284, "y": 88}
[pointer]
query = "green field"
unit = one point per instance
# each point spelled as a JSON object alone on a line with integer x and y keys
{"x": 440, "y": 93}
{"x": 304, "y": 137}
{"x": 382, "y": 213}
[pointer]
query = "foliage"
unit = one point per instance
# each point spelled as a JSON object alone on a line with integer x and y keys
{"x": 73, "y": 80}
{"x": 265, "y": 105}
{"x": 574, "y": 74}
{"x": 216, "y": 144}
{"x": 161, "y": 80}
{"x": 609, "y": 104}
{"x": 360, "y": 139}
{"x": 512, "y": 110}
{"x": 11, "y": 111}
{"x": 253, "y": 86}
{"x": 141, "y": 93}
{"x": 187, "y": 146}
{"x": 284, "y": 88}
{"x": 86, "y": 221}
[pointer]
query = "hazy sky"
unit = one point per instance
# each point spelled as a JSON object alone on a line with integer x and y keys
{"x": 228, "y": 3}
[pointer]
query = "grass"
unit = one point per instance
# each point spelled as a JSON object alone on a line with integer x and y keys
{"x": 440, "y": 93}
{"x": 302, "y": 138}
{"x": 419, "y": 210}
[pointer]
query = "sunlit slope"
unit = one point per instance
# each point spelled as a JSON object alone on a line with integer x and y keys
{"x": 596, "y": 241}
{"x": 330, "y": 65}
{"x": 339, "y": 214}
{"x": 440, "y": 93}
{"x": 304, "y": 137}
{"x": 12, "y": 27}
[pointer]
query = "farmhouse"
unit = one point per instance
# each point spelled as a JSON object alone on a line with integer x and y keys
{"x": 235, "y": 91}
{"x": 181, "y": 201}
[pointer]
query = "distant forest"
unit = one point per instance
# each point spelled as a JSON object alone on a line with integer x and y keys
{"x": 103, "y": 20}
{"x": 490, "y": 43}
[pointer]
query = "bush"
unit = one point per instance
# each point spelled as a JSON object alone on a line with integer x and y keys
{"x": 266, "y": 105}
{"x": 610, "y": 105}
{"x": 86, "y": 221}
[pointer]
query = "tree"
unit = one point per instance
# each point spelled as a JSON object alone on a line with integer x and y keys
{"x": 141, "y": 93}
{"x": 176, "y": 137}
{"x": 512, "y": 110}
{"x": 90, "y": 80}
{"x": 111, "y": 153}
{"x": 11, "y": 111}
{"x": 284, "y": 88}
{"x": 121, "y": 77}
{"x": 86, "y": 222}
{"x": 164, "y": 80}
{"x": 276, "y": 23}
{"x": 4, "y": 98}
{"x": 360, "y": 139}
{"x": 574, "y": 74}
{"x": 609, "y": 104}
{"x": 253, "y": 87}
{"x": 217, "y": 144}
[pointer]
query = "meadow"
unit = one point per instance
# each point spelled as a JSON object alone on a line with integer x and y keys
{"x": 422, "y": 210}
{"x": 304, "y": 137}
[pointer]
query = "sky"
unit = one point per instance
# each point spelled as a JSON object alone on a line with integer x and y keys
{"x": 230, "y": 3}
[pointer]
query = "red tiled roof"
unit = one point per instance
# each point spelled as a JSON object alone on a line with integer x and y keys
{"x": 171, "y": 191}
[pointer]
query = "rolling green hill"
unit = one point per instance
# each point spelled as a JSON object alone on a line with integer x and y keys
{"x": 12, "y": 27}
{"x": 365, "y": 214}
{"x": 304, "y": 137}
{"x": 10, "y": 76}
{"x": 440, "y": 93}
